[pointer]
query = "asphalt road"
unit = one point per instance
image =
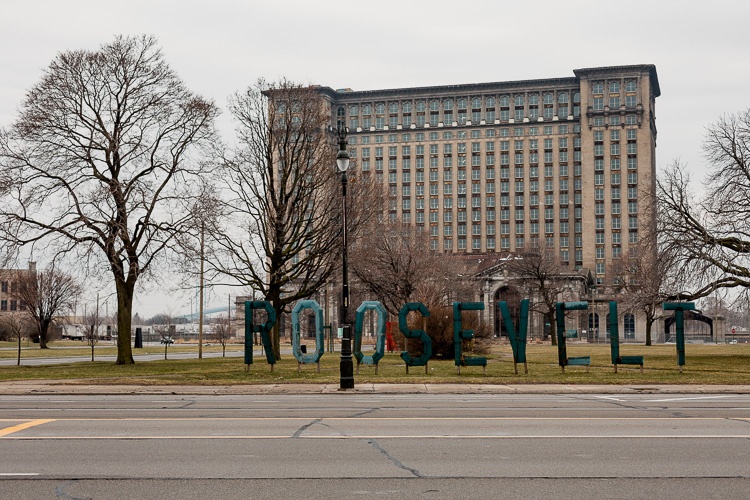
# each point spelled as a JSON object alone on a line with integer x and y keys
{"x": 323, "y": 446}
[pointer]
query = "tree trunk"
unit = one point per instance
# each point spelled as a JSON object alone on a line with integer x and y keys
{"x": 276, "y": 332}
{"x": 549, "y": 317}
{"x": 43, "y": 336}
{"x": 223, "y": 350}
{"x": 124, "y": 311}
{"x": 19, "y": 350}
{"x": 649, "y": 323}
{"x": 92, "y": 354}
{"x": 165, "y": 350}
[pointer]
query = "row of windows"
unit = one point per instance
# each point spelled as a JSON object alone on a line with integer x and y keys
{"x": 460, "y": 105}
{"x": 14, "y": 305}
{"x": 614, "y": 87}
{"x": 462, "y": 134}
{"x": 520, "y": 242}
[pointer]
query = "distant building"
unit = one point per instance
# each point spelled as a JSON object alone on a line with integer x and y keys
{"x": 9, "y": 280}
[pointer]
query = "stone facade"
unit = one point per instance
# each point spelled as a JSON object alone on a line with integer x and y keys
{"x": 566, "y": 164}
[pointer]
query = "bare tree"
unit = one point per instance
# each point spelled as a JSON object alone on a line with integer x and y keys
{"x": 541, "y": 271}
{"x": 166, "y": 330}
{"x": 222, "y": 333}
{"x": 395, "y": 265}
{"x": 92, "y": 322}
{"x": 16, "y": 326}
{"x": 283, "y": 236}
{"x": 645, "y": 282}
{"x": 100, "y": 163}
{"x": 710, "y": 235}
{"x": 46, "y": 294}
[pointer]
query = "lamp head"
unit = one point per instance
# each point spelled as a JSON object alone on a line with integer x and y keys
{"x": 342, "y": 160}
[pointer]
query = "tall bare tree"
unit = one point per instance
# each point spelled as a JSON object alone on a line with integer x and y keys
{"x": 540, "y": 271}
{"x": 393, "y": 263}
{"x": 283, "y": 234}
{"x": 710, "y": 234}
{"x": 46, "y": 294}
{"x": 100, "y": 163}
{"x": 646, "y": 281}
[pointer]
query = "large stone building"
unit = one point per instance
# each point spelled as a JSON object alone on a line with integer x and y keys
{"x": 567, "y": 164}
{"x": 560, "y": 162}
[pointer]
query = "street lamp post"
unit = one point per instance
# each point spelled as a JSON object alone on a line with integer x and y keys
{"x": 346, "y": 366}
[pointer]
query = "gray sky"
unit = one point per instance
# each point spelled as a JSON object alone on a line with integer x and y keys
{"x": 701, "y": 53}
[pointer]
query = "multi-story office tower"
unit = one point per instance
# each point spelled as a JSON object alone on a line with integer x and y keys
{"x": 567, "y": 164}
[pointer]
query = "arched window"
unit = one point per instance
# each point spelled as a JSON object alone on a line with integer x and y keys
{"x": 490, "y": 102}
{"x": 614, "y": 88}
{"x": 353, "y": 110}
{"x": 420, "y": 107}
{"x": 630, "y": 87}
{"x": 393, "y": 108}
{"x": 366, "y": 110}
{"x": 577, "y": 98}
{"x": 519, "y": 101}
{"x": 476, "y": 104}
{"x": 407, "y": 107}
{"x": 629, "y": 326}
{"x": 549, "y": 99}
{"x": 340, "y": 112}
{"x": 434, "y": 106}
{"x": 380, "y": 109}
{"x": 505, "y": 101}
{"x": 462, "y": 104}
{"x": 534, "y": 100}
{"x": 562, "y": 98}
{"x": 448, "y": 105}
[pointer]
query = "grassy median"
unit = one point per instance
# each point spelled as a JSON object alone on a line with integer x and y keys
{"x": 705, "y": 364}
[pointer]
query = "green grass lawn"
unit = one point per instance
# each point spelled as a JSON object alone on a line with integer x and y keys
{"x": 705, "y": 364}
{"x": 68, "y": 348}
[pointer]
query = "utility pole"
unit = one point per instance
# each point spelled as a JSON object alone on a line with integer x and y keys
{"x": 200, "y": 324}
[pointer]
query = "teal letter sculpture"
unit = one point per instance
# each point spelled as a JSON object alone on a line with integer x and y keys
{"x": 319, "y": 342}
{"x": 614, "y": 342}
{"x": 415, "y": 334}
{"x": 562, "y": 354}
{"x": 264, "y": 330}
{"x": 379, "y": 342}
{"x": 459, "y": 335}
{"x": 517, "y": 341}
{"x": 678, "y": 307}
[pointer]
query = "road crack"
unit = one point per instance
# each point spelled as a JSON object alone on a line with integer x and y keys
{"x": 365, "y": 412}
{"x": 305, "y": 427}
{"x": 393, "y": 459}
{"x": 60, "y": 491}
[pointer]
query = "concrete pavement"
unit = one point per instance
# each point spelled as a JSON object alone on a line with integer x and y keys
{"x": 83, "y": 386}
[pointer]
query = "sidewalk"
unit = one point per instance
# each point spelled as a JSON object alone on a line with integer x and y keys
{"x": 84, "y": 387}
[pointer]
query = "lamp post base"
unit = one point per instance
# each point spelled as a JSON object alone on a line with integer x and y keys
{"x": 346, "y": 366}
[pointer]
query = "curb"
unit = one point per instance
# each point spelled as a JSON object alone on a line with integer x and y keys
{"x": 25, "y": 388}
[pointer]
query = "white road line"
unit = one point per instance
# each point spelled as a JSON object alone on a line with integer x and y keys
{"x": 19, "y": 473}
{"x": 687, "y": 399}
{"x": 611, "y": 398}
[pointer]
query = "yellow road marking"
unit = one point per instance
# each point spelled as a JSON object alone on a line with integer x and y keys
{"x": 25, "y": 425}
{"x": 395, "y": 436}
{"x": 355, "y": 419}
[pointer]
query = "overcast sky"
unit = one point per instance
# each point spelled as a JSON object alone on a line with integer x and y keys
{"x": 701, "y": 53}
